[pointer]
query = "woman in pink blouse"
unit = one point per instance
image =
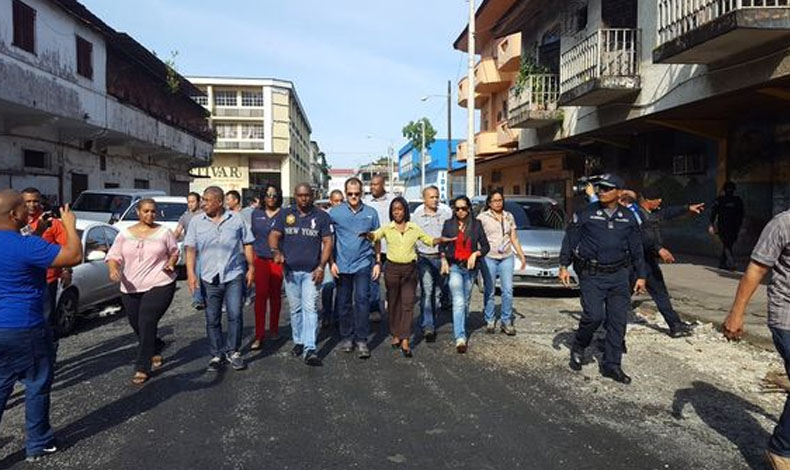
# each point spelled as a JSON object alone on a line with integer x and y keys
{"x": 143, "y": 260}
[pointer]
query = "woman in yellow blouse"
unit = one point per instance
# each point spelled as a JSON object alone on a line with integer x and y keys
{"x": 400, "y": 276}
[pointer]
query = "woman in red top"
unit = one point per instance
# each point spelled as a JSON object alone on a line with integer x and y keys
{"x": 461, "y": 260}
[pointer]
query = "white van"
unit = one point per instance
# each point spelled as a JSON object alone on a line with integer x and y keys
{"x": 109, "y": 205}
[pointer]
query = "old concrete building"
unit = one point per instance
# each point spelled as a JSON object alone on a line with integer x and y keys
{"x": 678, "y": 94}
{"x": 263, "y": 134}
{"x": 83, "y": 106}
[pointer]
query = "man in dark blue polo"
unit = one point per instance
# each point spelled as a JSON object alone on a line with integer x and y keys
{"x": 301, "y": 239}
{"x": 356, "y": 262}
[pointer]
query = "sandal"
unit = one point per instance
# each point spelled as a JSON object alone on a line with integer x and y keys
{"x": 405, "y": 349}
{"x": 395, "y": 342}
{"x": 139, "y": 378}
{"x": 156, "y": 362}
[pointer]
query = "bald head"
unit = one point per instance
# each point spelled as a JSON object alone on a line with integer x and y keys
{"x": 13, "y": 214}
{"x": 377, "y": 186}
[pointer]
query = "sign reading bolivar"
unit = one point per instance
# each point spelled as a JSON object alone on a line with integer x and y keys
{"x": 217, "y": 172}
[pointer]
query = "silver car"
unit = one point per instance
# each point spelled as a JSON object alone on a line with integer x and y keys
{"x": 540, "y": 226}
{"x": 91, "y": 285}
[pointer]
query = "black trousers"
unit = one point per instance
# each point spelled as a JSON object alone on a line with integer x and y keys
{"x": 727, "y": 259}
{"x": 606, "y": 299}
{"x": 144, "y": 310}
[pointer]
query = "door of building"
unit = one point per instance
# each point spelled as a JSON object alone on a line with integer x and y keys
{"x": 79, "y": 183}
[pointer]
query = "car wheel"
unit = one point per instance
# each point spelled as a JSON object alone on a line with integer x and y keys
{"x": 66, "y": 313}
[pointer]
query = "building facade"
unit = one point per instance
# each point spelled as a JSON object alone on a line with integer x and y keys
{"x": 682, "y": 95}
{"x": 83, "y": 106}
{"x": 263, "y": 135}
{"x": 338, "y": 177}
{"x": 436, "y": 158}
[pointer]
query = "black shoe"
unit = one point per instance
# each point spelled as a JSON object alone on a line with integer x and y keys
{"x": 430, "y": 336}
{"x": 577, "y": 358}
{"x": 364, "y": 352}
{"x": 311, "y": 358}
{"x": 375, "y": 316}
{"x": 680, "y": 329}
{"x": 297, "y": 350}
{"x": 346, "y": 346}
{"x": 617, "y": 375}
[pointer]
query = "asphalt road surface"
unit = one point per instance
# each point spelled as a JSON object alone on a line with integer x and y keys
{"x": 439, "y": 409}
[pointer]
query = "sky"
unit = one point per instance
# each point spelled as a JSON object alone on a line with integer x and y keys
{"x": 360, "y": 67}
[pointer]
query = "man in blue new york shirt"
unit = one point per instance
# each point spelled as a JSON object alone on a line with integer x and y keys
{"x": 356, "y": 262}
{"x": 301, "y": 240}
{"x": 26, "y": 347}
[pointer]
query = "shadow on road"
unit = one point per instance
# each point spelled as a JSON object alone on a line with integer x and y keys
{"x": 729, "y": 415}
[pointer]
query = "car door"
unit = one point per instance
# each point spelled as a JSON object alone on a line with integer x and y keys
{"x": 114, "y": 289}
{"x": 94, "y": 283}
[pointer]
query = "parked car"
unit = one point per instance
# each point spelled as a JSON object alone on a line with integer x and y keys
{"x": 540, "y": 226}
{"x": 108, "y": 205}
{"x": 169, "y": 208}
{"x": 91, "y": 285}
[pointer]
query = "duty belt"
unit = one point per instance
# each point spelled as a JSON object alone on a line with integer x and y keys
{"x": 592, "y": 266}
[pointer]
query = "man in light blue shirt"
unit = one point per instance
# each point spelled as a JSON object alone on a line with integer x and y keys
{"x": 356, "y": 263}
{"x": 224, "y": 243}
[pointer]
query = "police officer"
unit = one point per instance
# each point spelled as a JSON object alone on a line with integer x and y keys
{"x": 726, "y": 218}
{"x": 602, "y": 241}
{"x": 652, "y": 214}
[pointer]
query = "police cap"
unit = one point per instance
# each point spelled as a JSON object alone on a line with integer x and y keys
{"x": 610, "y": 180}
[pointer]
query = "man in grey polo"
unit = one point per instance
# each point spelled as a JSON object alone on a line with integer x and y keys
{"x": 380, "y": 200}
{"x": 772, "y": 253}
{"x": 193, "y": 209}
{"x": 223, "y": 241}
{"x": 430, "y": 217}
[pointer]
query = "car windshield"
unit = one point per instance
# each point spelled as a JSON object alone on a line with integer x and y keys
{"x": 165, "y": 212}
{"x": 95, "y": 202}
{"x": 531, "y": 215}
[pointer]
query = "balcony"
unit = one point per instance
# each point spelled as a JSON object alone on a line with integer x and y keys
{"x": 536, "y": 105}
{"x": 488, "y": 78}
{"x": 508, "y": 56}
{"x": 602, "y": 68}
{"x": 463, "y": 93}
{"x": 486, "y": 144}
{"x": 507, "y": 137}
{"x": 236, "y": 145}
{"x": 220, "y": 112}
{"x": 709, "y": 31}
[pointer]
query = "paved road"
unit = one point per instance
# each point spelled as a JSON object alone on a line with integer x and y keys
{"x": 437, "y": 410}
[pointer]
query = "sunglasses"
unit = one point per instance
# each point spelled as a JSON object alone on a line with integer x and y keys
{"x": 353, "y": 194}
{"x": 271, "y": 195}
{"x": 461, "y": 208}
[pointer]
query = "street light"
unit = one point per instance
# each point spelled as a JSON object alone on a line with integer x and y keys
{"x": 449, "y": 97}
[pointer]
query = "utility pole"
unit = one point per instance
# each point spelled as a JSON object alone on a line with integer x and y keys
{"x": 422, "y": 157}
{"x": 470, "y": 105}
{"x": 449, "y": 183}
{"x": 390, "y": 152}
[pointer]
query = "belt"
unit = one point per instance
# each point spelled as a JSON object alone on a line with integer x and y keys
{"x": 592, "y": 266}
{"x": 430, "y": 255}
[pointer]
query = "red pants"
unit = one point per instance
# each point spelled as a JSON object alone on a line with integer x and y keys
{"x": 268, "y": 285}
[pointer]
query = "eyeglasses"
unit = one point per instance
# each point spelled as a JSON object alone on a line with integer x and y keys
{"x": 352, "y": 194}
{"x": 605, "y": 189}
{"x": 271, "y": 195}
{"x": 461, "y": 208}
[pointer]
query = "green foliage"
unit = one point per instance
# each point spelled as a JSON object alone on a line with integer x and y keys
{"x": 528, "y": 68}
{"x": 413, "y": 132}
{"x": 173, "y": 79}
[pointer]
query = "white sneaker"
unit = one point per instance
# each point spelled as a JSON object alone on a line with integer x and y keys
{"x": 460, "y": 345}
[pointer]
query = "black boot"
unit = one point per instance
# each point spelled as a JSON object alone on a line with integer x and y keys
{"x": 616, "y": 374}
{"x": 577, "y": 358}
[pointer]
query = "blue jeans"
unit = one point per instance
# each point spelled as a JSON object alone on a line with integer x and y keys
{"x": 431, "y": 284}
{"x": 780, "y": 440}
{"x": 504, "y": 269}
{"x": 26, "y": 355}
{"x": 302, "y": 300}
{"x": 231, "y": 294}
{"x": 199, "y": 295}
{"x": 354, "y": 320}
{"x": 375, "y": 288}
{"x": 460, "y": 290}
{"x": 328, "y": 308}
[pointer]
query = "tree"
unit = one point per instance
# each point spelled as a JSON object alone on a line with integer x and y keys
{"x": 413, "y": 132}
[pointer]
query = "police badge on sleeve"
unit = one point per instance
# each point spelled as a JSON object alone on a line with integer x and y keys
{"x": 290, "y": 219}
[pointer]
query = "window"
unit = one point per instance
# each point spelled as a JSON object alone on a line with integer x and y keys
{"x": 141, "y": 184}
{"x": 225, "y": 98}
{"x": 24, "y": 27}
{"x": 103, "y": 162}
{"x": 226, "y": 131}
{"x": 111, "y": 185}
{"x": 516, "y": 189}
{"x": 496, "y": 176}
{"x": 110, "y": 233}
{"x": 581, "y": 18}
{"x": 96, "y": 241}
{"x": 252, "y": 131}
{"x": 688, "y": 164}
{"x": 84, "y": 58}
{"x": 165, "y": 212}
{"x": 252, "y": 98}
{"x": 202, "y": 100}
{"x": 35, "y": 159}
{"x": 535, "y": 165}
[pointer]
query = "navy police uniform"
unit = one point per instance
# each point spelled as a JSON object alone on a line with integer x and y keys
{"x": 602, "y": 244}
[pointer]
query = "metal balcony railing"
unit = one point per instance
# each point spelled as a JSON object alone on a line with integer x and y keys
{"x": 240, "y": 144}
{"x": 540, "y": 93}
{"x": 605, "y": 53}
{"x": 238, "y": 112}
{"x": 678, "y": 17}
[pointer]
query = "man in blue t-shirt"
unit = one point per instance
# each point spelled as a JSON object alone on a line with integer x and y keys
{"x": 26, "y": 348}
{"x": 356, "y": 262}
{"x": 301, "y": 239}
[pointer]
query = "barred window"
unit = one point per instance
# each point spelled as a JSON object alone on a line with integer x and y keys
{"x": 252, "y": 98}
{"x": 201, "y": 100}
{"x": 252, "y": 131}
{"x": 226, "y": 131}
{"x": 225, "y": 98}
